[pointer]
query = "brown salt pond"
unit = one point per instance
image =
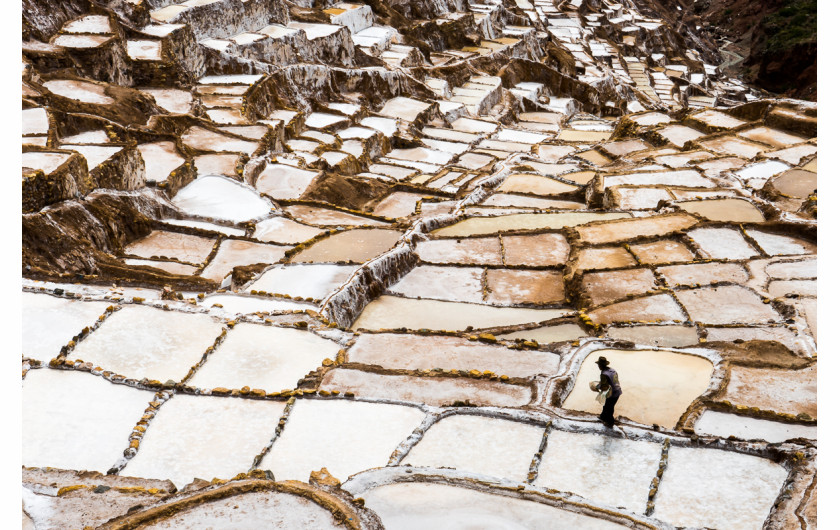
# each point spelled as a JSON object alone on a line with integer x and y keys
{"x": 522, "y": 201}
{"x": 434, "y": 391}
{"x": 235, "y": 252}
{"x": 328, "y": 217}
{"x": 795, "y": 183}
{"x": 769, "y": 136}
{"x": 355, "y": 246}
{"x": 183, "y": 247}
{"x": 418, "y": 352}
{"x": 731, "y": 210}
{"x": 505, "y": 286}
{"x": 663, "y": 251}
{"x": 469, "y": 251}
{"x": 535, "y": 250}
{"x": 535, "y": 184}
{"x": 172, "y": 267}
{"x": 79, "y": 90}
{"x": 703, "y": 273}
{"x": 548, "y": 334}
{"x": 726, "y": 304}
{"x": 284, "y": 230}
{"x": 392, "y": 312}
{"x": 782, "y": 391}
{"x": 524, "y": 221}
{"x": 606, "y": 287}
{"x": 660, "y": 336}
{"x": 398, "y": 204}
{"x": 660, "y": 307}
{"x": 605, "y": 258}
{"x": 733, "y": 145}
{"x": 630, "y": 228}
{"x": 657, "y": 386}
{"x": 280, "y": 181}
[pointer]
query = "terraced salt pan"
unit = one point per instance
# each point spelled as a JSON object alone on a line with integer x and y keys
{"x": 258, "y": 509}
{"x": 806, "y": 268}
{"x": 650, "y": 118}
{"x": 48, "y": 162}
{"x": 662, "y": 251}
{"x": 418, "y": 352}
{"x": 683, "y": 159}
{"x": 265, "y": 357}
{"x": 513, "y": 135}
{"x": 785, "y": 391}
{"x": 307, "y": 281}
{"x": 391, "y": 312}
{"x": 226, "y": 230}
{"x": 171, "y": 100}
{"x": 283, "y": 230}
{"x": 777, "y": 288}
{"x": 386, "y": 126}
{"x": 237, "y": 304}
{"x": 144, "y": 50}
{"x": 717, "y": 489}
{"x": 328, "y": 217}
{"x": 658, "y": 386}
{"x": 714, "y": 168}
{"x": 726, "y": 304}
{"x": 793, "y": 155}
{"x": 397, "y": 204}
{"x": 356, "y": 246}
{"x": 795, "y": 183}
{"x": 404, "y": 108}
{"x": 471, "y": 251}
{"x": 470, "y": 125}
{"x": 94, "y": 154}
{"x": 205, "y": 437}
{"x": 733, "y": 145}
{"x": 548, "y": 334}
{"x": 639, "y": 198}
{"x": 77, "y": 421}
{"x": 79, "y": 90}
{"x": 683, "y": 177}
{"x": 183, "y": 247}
{"x": 89, "y": 24}
{"x": 762, "y": 170}
{"x": 280, "y": 181}
{"x": 434, "y": 391}
{"x": 722, "y": 243}
{"x": 221, "y": 164}
{"x": 721, "y": 424}
{"x": 779, "y": 334}
{"x": 139, "y": 342}
{"x": 473, "y": 161}
{"x": 718, "y": 119}
{"x": 605, "y": 469}
{"x": 419, "y": 506}
{"x": 660, "y": 307}
{"x": 519, "y": 201}
{"x": 508, "y": 287}
{"x": 161, "y": 158}
{"x": 779, "y": 245}
{"x": 632, "y": 228}
{"x": 478, "y": 444}
{"x": 217, "y": 197}
{"x": 661, "y": 336}
{"x": 605, "y": 258}
{"x": 679, "y": 135}
{"x": 35, "y": 121}
{"x": 605, "y": 287}
{"x": 204, "y": 140}
{"x": 167, "y": 266}
{"x": 234, "y": 252}
{"x": 730, "y": 210}
{"x": 456, "y": 284}
{"x": 49, "y": 322}
{"x": 770, "y": 136}
{"x": 535, "y": 184}
{"x": 525, "y": 221}
{"x": 703, "y": 273}
{"x": 367, "y": 435}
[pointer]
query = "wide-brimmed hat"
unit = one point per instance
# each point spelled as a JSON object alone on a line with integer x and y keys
{"x": 602, "y": 360}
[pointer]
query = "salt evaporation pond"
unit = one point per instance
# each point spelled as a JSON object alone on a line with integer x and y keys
{"x": 722, "y": 243}
{"x": 434, "y": 391}
{"x": 548, "y": 334}
{"x": 76, "y": 420}
{"x": 344, "y": 436}
{"x": 391, "y": 312}
{"x": 236, "y": 252}
{"x": 658, "y": 386}
{"x": 139, "y": 342}
{"x": 205, "y": 437}
{"x": 307, "y": 281}
{"x": 420, "y": 506}
{"x": 717, "y": 489}
{"x": 661, "y": 336}
{"x": 417, "y": 352}
{"x": 238, "y": 304}
{"x": 523, "y": 221}
{"x": 258, "y": 509}
{"x": 479, "y": 444}
{"x": 605, "y": 469}
{"x": 355, "y": 246}
{"x": 724, "y": 425}
{"x": 265, "y": 357}
{"x": 218, "y": 197}
{"x": 283, "y": 230}
{"x": 175, "y": 245}
{"x": 50, "y": 322}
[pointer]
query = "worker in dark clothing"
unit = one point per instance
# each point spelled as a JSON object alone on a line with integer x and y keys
{"x": 609, "y": 381}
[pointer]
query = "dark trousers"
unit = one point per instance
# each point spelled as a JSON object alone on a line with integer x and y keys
{"x": 609, "y": 409}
